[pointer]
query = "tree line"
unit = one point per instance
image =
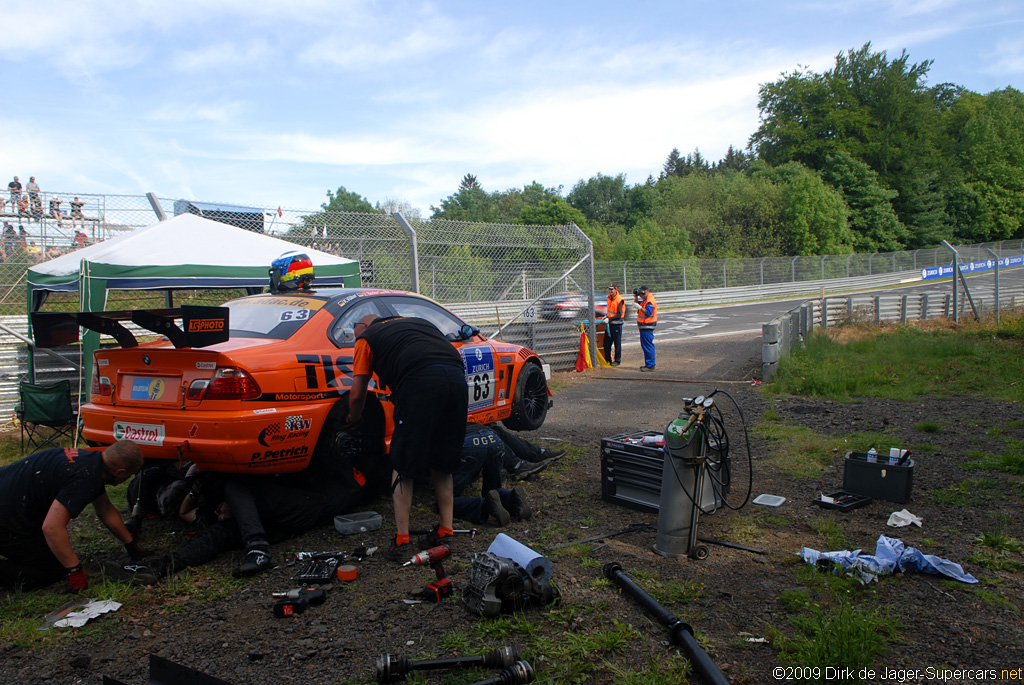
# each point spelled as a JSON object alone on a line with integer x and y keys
{"x": 865, "y": 157}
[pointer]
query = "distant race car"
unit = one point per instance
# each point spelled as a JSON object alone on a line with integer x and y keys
{"x": 259, "y": 384}
{"x": 572, "y": 305}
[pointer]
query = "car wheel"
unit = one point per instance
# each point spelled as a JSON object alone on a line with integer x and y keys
{"x": 530, "y": 402}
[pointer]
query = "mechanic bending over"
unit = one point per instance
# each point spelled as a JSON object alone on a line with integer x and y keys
{"x": 40, "y": 494}
{"x": 427, "y": 379}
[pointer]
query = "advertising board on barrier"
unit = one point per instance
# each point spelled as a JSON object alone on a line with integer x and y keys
{"x": 971, "y": 267}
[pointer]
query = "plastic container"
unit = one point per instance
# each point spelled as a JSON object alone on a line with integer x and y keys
{"x": 889, "y": 482}
{"x": 361, "y": 522}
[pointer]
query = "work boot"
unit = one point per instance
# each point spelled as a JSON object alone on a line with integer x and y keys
{"x": 432, "y": 539}
{"x": 135, "y": 573}
{"x": 495, "y": 509}
{"x": 647, "y": 368}
{"x": 256, "y": 560}
{"x": 520, "y": 508}
{"x": 552, "y": 454}
{"x": 526, "y": 469}
{"x": 396, "y": 552}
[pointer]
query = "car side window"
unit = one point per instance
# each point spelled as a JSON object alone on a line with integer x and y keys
{"x": 343, "y": 331}
{"x": 446, "y": 322}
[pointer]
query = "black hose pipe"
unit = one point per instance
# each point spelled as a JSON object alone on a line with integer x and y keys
{"x": 680, "y": 633}
{"x": 391, "y": 669}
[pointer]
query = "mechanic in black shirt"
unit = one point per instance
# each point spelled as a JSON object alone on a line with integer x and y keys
{"x": 40, "y": 494}
{"x": 427, "y": 379}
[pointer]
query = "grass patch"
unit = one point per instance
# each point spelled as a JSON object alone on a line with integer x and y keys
{"x": 905, "y": 361}
{"x": 831, "y": 533}
{"x": 1010, "y": 461}
{"x": 839, "y": 636}
{"x": 963, "y": 494}
{"x": 798, "y": 451}
{"x": 928, "y": 426}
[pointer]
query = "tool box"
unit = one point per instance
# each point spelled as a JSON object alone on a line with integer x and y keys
{"x": 878, "y": 479}
{"x": 631, "y": 471}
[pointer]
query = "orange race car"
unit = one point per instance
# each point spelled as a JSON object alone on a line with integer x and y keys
{"x": 260, "y": 384}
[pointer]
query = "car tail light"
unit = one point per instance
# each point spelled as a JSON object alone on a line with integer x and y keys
{"x": 101, "y": 385}
{"x": 228, "y": 383}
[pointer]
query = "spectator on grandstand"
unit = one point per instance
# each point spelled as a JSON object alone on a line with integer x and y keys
{"x": 32, "y": 188}
{"x": 37, "y": 208}
{"x": 53, "y": 252}
{"x": 76, "y": 212}
{"x": 55, "y": 208}
{"x": 15, "y": 188}
{"x": 23, "y": 207}
{"x": 81, "y": 239}
{"x": 10, "y": 236}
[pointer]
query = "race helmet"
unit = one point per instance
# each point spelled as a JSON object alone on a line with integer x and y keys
{"x": 291, "y": 271}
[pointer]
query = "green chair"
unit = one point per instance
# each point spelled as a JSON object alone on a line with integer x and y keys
{"x": 45, "y": 413}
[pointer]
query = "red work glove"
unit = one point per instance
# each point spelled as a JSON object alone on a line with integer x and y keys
{"x": 76, "y": 579}
{"x": 135, "y": 552}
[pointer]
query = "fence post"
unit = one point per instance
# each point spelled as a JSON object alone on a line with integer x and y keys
{"x": 824, "y": 313}
{"x": 878, "y": 310}
{"x": 413, "y": 250}
{"x": 997, "y": 282}
{"x": 924, "y": 307}
{"x": 686, "y": 263}
{"x": 792, "y": 271}
{"x": 725, "y": 284}
{"x": 762, "y": 269}
{"x": 903, "y": 309}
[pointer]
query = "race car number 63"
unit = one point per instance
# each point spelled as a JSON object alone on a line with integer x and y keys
{"x": 481, "y": 386}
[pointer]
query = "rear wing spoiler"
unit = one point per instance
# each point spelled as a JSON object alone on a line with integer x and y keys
{"x": 200, "y": 326}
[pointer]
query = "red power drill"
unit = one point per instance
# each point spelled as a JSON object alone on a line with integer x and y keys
{"x": 442, "y": 587}
{"x": 294, "y": 602}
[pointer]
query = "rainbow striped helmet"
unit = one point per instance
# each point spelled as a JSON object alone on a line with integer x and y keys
{"x": 295, "y": 269}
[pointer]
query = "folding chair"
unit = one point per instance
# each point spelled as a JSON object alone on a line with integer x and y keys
{"x": 45, "y": 413}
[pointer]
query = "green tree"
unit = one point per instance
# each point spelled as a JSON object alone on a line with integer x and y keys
{"x": 602, "y": 199}
{"x": 873, "y": 222}
{"x": 553, "y": 212}
{"x": 345, "y": 201}
{"x": 814, "y": 214}
{"x": 991, "y": 149}
{"x": 877, "y": 110}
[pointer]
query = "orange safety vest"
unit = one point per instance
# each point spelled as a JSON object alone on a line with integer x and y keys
{"x": 616, "y": 308}
{"x": 641, "y": 316}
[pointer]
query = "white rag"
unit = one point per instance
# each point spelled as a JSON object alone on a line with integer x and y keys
{"x": 901, "y": 518}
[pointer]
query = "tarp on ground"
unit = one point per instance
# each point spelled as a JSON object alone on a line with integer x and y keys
{"x": 186, "y": 252}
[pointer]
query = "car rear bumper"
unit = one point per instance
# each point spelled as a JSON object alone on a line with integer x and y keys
{"x": 262, "y": 440}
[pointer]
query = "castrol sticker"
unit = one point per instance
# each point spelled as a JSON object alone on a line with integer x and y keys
{"x": 141, "y": 433}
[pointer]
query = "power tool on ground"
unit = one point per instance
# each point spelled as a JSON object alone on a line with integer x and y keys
{"x": 442, "y": 587}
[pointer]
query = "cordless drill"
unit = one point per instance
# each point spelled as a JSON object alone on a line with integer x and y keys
{"x": 442, "y": 587}
{"x": 296, "y": 601}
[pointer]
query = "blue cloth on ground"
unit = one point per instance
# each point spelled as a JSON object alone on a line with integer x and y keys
{"x": 890, "y": 556}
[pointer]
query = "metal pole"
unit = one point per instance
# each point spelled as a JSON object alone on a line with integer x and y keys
{"x": 155, "y": 203}
{"x": 413, "y": 250}
{"x": 996, "y": 257}
{"x": 956, "y": 268}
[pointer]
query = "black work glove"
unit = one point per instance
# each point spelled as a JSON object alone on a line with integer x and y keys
{"x": 135, "y": 553}
{"x": 76, "y": 579}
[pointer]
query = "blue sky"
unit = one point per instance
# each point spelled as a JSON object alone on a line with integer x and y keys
{"x": 272, "y": 104}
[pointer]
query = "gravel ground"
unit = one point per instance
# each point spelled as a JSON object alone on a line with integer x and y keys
{"x": 226, "y": 629}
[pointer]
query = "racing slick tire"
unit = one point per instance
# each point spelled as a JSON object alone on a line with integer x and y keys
{"x": 530, "y": 402}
